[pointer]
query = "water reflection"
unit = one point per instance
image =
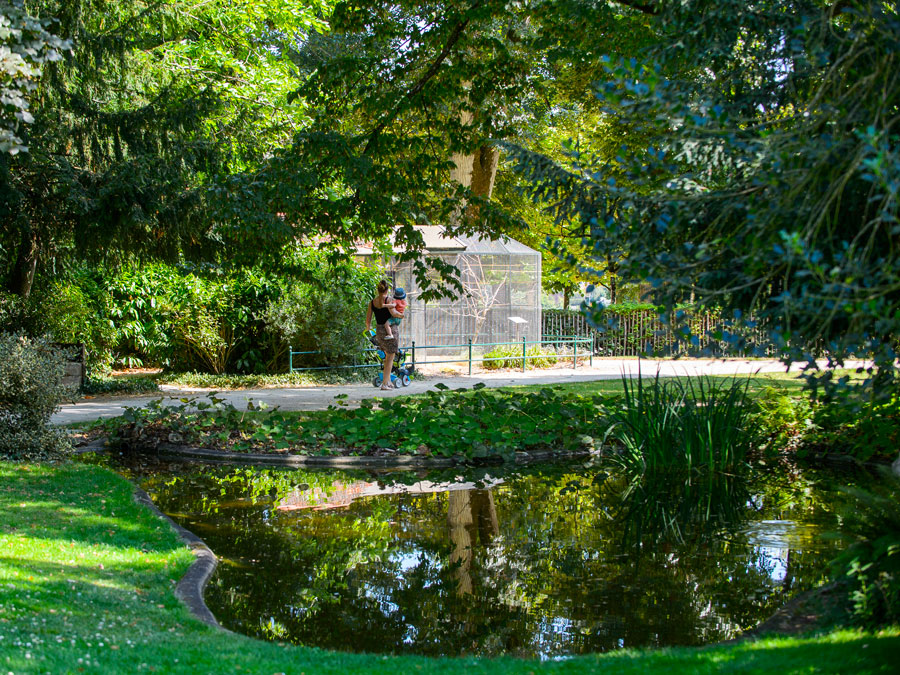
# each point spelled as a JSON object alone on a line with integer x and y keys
{"x": 544, "y": 562}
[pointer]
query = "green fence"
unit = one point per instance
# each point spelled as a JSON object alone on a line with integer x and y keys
{"x": 638, "y": 331}
{"x": 563, "y": 347}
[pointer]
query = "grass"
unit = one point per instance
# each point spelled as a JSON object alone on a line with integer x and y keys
{"x": 140, "y": 383}
{"x": 786, "y": 382}
{"x": 86, "y": 585}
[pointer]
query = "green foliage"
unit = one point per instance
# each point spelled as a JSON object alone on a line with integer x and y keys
{"x": 766, "y": 182}
{"x": 781, "y": 420}
{"x": 469, "y": 426}
{"x": 31, "y": 389}
{"x": 674, "y": 423}
{"x": 323, "y": 310}
{"x": 26, "y": 45}
{"x": 510, "y": 356}
{"x": 136, "y": 131}
{"x": 100, "y": 384}
{"x": 867, "y": 431}
{"x": 75, "y": 313}
{"x": 871, "y": 565}
{"x": 16, "y": 314}
{"x": 257, "y": 381}
{"x": 205, "y": 319}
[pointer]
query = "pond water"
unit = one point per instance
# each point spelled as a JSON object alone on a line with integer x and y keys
{"x": 545, "y": 561}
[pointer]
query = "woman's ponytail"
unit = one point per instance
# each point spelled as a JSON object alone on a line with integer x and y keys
{"x": 383, "y": 286}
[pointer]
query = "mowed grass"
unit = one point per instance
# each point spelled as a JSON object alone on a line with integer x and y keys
{"x": 788, "y": 383}
{"x": 87, "y": 579}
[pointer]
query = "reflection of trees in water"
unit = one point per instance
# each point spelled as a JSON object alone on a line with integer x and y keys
{"x": 666, "y": 508}
{"x": 552, "y": 562}
{"x": 471, "y": 516}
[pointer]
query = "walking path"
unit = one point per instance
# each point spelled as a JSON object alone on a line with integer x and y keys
{"x": 320, "y": 397}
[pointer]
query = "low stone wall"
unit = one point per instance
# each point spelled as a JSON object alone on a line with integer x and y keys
{"x": 75, "y": 370}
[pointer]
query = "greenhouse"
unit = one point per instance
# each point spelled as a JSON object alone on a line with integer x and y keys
{"x": 501, "y": 302}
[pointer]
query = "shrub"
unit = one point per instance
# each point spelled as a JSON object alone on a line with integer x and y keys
{"x": 127, "y": 385}
{"x": 31, "y": 389}
{"x": 324, "y": 311}
{"x": 871, "y": 565}
{"x": 193, "y": 320}
{"x": 15, "y": 314}
{"x": 682, "y": 424}
{"x": 71, "y": 313}
{"x": 865, "y": 432}
{"x": 510, "y": 356}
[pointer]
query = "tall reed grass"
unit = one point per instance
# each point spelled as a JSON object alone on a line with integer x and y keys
{"x": 682, "y": 423}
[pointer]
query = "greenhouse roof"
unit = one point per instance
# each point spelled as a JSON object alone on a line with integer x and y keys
{"x": 437, "y": 241}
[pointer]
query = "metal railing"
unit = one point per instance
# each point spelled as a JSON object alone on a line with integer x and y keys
{"x": 468, "y": 348}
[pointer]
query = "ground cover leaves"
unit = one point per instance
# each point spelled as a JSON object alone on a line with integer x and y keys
{"x": 471, "y": 424}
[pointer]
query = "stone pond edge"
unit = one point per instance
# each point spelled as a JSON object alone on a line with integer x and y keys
{"x": 175, "y": 451}
{"x": 189, "y": 589}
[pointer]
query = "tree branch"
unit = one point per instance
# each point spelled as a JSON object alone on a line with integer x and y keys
{"x": 645, "y": 7}
{"x": 454, "y": 37}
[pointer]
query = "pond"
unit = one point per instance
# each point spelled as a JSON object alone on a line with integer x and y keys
{"x": 546, "y": 561}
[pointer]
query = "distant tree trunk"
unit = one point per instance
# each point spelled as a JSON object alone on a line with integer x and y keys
{"x": 22, "y": 276}
{"x": 613, "y": 269}
{"x": 565, "y": 297}
{"x": 484, "y": 171}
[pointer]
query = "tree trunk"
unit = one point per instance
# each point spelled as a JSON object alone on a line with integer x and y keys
{"x": 475, "y": 171}
{"x": 566, "y": 297}
{"x": 613, "y": 268}
{"x": 22, "y": 276}
{"x": 484, "y": 171}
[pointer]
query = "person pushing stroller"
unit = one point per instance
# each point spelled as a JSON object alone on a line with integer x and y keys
{"x": 387, "y": 335}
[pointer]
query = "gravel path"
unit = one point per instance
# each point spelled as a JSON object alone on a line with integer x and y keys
{"x": 320, "y": 397}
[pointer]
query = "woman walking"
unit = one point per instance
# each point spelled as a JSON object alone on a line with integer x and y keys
{"x": 382, "y": 308}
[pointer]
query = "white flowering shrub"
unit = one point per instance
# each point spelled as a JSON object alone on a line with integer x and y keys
{"x": 31, "y": 389}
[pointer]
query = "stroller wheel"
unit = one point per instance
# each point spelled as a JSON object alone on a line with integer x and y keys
{"x": 376, "y": 381}
{"x": 404, "y": 380}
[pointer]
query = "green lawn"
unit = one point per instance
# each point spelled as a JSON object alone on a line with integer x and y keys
{"x": 786, "y": 382}
{"x": 87, "y": 578}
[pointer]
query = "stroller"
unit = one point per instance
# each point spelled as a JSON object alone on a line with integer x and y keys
{"x": 401, "y": 372}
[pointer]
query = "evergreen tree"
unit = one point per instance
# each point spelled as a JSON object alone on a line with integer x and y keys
{"x": 157, "y": 103}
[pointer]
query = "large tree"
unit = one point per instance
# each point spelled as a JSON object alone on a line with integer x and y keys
{"x": 156, "y": 104}
{"x": 769, "y": 183}
{"x": 408, "y": 102}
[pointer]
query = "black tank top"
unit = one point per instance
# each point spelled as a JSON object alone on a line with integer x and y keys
{"x": 381, "y": 315}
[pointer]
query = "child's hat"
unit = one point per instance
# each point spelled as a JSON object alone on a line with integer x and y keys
{"x": 399, "y": 293}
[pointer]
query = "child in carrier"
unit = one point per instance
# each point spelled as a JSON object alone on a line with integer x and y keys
{"x": 399, "y": 308}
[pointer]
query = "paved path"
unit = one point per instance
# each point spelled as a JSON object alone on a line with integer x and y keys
{"x": 320, "y": 397}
